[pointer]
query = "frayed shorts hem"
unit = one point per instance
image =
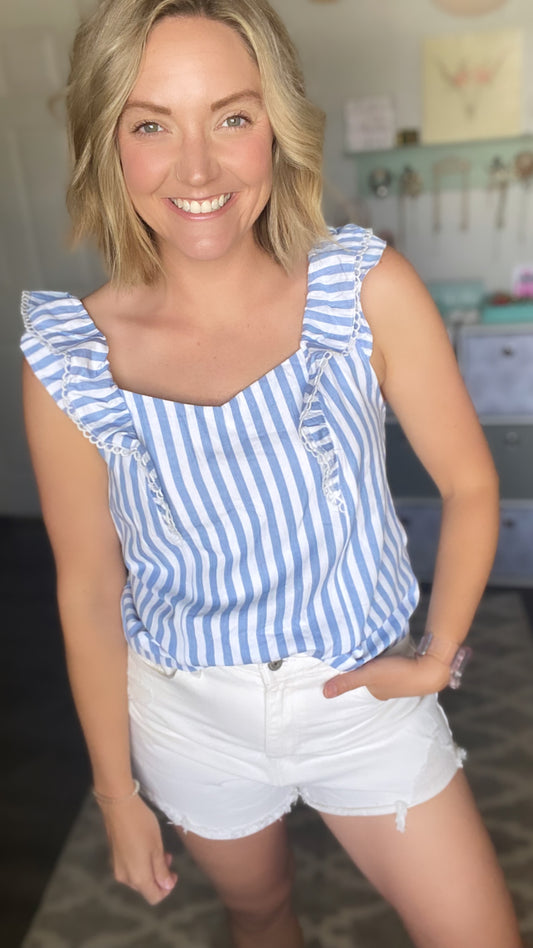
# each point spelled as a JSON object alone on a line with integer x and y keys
{"x": 399, "y": 809}
{"x": 177, "y": 819}
{"x": 389, "y": 808}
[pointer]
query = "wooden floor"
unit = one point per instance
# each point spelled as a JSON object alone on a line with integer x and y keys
{"x": 45, "y": 773}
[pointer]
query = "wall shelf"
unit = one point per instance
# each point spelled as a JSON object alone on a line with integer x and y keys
{"x": 422, "y": 158}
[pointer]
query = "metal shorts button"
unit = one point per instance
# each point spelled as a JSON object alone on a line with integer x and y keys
{"x": 275, "y": 665}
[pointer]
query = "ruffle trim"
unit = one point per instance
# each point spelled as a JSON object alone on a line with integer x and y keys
{"x": 315, "y": 434}
{"x": 89, "y": 395}
{"x": 336, "y": 275}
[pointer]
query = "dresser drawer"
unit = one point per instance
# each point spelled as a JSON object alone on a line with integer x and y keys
{"x": 513, "y": 565}
{"x": 512, "y": 450}
{"x": 497, "y": 366}
{"x": 421, "y": 522}
{"x": 406, "y": 474}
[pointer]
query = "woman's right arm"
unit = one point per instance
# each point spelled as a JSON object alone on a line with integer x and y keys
{"x": 73, "y": 487}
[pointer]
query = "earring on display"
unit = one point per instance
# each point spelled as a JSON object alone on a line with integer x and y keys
{"x": 410, "y": 186}
{"x": 523, "y": 167}
{"x": 499, "y": 179}
{"x": 380, "y": 181}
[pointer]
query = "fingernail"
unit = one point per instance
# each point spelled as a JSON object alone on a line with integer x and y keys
{"x": 330, "y": 690}
{"x": 168, "y": 884}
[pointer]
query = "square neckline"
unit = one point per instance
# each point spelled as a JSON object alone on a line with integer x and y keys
{"x": 295, "y": 357}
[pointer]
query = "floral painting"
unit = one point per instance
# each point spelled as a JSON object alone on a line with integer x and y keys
{"x": 472, "y": 86}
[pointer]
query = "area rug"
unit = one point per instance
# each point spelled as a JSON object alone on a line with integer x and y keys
{"x": 492, "y": 716}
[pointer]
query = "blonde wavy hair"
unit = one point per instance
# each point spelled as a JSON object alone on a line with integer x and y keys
{"x": 105, "y": 62}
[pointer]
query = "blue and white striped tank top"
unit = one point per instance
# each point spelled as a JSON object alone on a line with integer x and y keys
{"x": 263, "y": 527}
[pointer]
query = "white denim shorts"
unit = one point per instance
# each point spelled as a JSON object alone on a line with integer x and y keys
{"x": 225, "y": 751}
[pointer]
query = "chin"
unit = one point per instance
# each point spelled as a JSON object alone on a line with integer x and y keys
{"x": 208, "y": 250}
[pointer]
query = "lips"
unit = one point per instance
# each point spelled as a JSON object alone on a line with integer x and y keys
{"x": 206, "y": 206}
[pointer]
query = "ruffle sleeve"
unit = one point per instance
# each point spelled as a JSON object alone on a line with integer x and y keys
{"x": 334, "y": 325}
{"x": 69, "y": 355}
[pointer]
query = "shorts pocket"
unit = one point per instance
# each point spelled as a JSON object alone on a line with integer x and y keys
{"x": 140, "y": 680}
{"x": 367, "y": 695}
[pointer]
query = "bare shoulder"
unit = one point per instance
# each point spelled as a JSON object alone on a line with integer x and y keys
{"x": 402, "y": 316}
{"x": 393, "y": 295}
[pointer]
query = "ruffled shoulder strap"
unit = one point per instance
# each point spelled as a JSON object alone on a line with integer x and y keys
{"x": 69, "y": 355}
{"x": 334, "y": 324}
{"x": 337, "y": 268}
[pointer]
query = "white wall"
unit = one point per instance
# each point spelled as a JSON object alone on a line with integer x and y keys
{"x": 352, "y": 48}
{"x": 35, "y": 36}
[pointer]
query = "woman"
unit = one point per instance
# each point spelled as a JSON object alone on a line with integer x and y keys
{"x": 226, "y": 545}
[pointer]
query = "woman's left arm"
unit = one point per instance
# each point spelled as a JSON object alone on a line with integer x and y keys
{"x": 419, "y": 377}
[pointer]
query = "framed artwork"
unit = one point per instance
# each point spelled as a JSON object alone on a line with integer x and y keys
{"x": 370, "y": 123}
{"x": 472, "y": 86}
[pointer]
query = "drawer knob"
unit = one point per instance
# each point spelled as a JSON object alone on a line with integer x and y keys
{"x": 512, "y": 437}
{"x": 508, "y": 522}
{"x": 507, "y": 351}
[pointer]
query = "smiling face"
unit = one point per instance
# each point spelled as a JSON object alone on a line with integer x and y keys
{"x": 194, "y": 140}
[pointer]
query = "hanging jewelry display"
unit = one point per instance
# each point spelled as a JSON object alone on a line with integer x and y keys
{"x": 446, "y": 167}
{"x": 380, "y": 181}
{"x": 499, "y": 179}
{"x": 409, "y": 187}
{"x": 523, "y": 167}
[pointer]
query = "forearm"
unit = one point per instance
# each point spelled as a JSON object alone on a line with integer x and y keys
{"x": 97, "y": 662}
{"x": 468, "y": 538}
{"x": 96, "y": 653}
{"x": 466, "y": 550}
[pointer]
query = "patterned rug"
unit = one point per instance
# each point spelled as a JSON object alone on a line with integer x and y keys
{"x": 492, "y": 716}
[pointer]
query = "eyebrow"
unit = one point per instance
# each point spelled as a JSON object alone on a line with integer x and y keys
{"x": 245, "y": 94}
{"x": 215, "y": 106}
{"x": 151, "y": 106}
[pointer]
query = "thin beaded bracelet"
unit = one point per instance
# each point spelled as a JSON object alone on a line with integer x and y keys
{"x": 448, "y": 653}
{"x": 103, "y": 798}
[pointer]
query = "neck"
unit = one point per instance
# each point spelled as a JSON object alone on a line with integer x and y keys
{"x": 226, "y": 286}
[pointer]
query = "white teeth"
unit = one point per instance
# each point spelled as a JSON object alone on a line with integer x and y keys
{"x": 202, "y": 207}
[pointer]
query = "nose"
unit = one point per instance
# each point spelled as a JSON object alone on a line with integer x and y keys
{"x": 196, "y": 162}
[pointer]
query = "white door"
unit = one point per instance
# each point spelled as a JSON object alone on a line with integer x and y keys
{"x": 35, "y": 37}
